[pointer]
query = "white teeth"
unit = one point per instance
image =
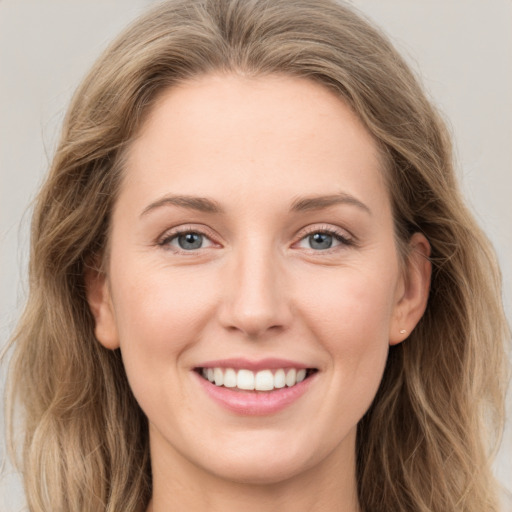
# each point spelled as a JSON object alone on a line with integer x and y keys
{"x": 291, "y": 377}
{"x": 218, "y": 375}
{"x": 264, "y": 380}
{"x": 279, "y": 379}
{"x": 245, "y": 379}
{"x": 230, "y": 378}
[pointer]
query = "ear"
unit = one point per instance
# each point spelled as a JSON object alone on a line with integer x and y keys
{"x": 100, "y": 303}
{"x": 413, "y": 290}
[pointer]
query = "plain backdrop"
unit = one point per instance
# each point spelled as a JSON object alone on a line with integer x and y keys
{"x": 462, "y": 49}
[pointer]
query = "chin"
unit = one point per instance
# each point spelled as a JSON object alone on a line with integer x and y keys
{"x": 264, "y": 460}
{"x": 259, "y": 471}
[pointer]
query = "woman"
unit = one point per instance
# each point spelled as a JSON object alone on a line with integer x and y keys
{"x": 254, "y": 282}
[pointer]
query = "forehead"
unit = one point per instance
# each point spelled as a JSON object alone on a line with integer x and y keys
{"x": 253, "y": 135}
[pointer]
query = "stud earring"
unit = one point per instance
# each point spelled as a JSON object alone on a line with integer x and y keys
{"x": 402, "y": 331}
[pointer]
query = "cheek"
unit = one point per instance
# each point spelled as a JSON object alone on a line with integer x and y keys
{"x": 350, "y": 301}
{"x": 160, "y": 312}
{"x": 154, "y": 303}
{"x": 350, "y": 314}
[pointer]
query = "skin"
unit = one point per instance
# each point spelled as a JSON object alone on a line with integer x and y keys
{"x": 255, "y": 289}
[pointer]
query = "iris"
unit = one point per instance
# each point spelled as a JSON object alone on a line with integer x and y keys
{"x": 190, "y": 241}
{"x": 320, "y": 241}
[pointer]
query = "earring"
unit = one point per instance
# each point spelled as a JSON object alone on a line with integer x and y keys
{"x": 402, "y": 331}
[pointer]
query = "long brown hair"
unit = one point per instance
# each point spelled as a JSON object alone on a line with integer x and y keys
{"x": 426, "y": 442}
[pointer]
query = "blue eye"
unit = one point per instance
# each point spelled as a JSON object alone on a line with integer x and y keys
{"x": 186, "y": 241}
{"x": 190, "y": 241}
{"x": 323, "y": 240}
{"x": 320, "y": 241}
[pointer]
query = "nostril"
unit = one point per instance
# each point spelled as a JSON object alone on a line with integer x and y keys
{"x": 254, "y": 325}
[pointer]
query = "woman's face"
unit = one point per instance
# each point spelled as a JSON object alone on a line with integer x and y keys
{"x": 252, "y": 242}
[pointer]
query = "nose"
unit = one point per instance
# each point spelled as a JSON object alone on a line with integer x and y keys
{"x": 255, "y": 299}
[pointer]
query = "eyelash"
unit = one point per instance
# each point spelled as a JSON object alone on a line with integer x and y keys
{"x": 168, "y": 237}
{"x": 327, "y": 230}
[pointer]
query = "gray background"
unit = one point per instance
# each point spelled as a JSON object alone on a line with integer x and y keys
{"x": 461, "y": 48}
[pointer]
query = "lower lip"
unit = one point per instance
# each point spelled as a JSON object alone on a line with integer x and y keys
{"x": 255, "y": 403}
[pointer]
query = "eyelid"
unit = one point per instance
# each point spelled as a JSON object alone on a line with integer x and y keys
{"x": 172, "y": 233}
{"x": 343, "y": 236}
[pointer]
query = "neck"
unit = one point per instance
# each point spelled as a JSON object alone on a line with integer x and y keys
{"x": 183, "y": 487}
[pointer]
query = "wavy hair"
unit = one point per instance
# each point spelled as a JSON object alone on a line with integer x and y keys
{"x": 427, "y": 441}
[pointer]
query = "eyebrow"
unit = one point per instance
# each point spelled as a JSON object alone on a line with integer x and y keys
{"x": 201, "y": 204}
{"x": 302, "y": 204}
{"x": 319, "y": 202}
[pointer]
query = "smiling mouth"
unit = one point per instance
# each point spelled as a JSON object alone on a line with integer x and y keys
{"x": 263, "y": 380}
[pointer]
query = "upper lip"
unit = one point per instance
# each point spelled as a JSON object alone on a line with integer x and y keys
{"x": 253, "y": 365}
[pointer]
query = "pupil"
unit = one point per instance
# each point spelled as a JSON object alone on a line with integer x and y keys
{"x": 190, "y": 241}
{"x": 320, "y": 241}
